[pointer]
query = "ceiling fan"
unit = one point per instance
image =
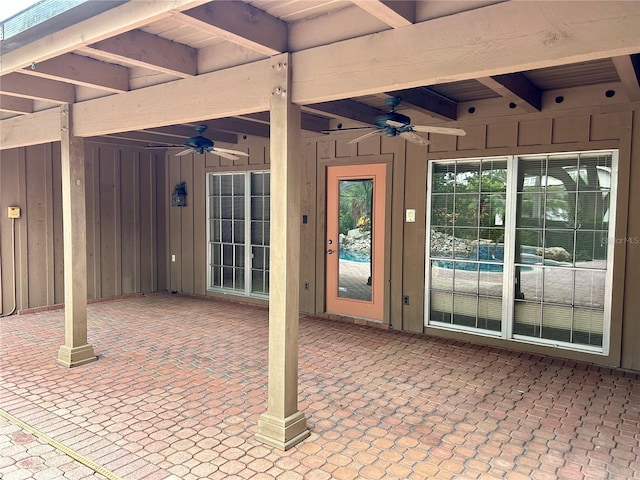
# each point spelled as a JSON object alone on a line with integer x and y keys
{"x": 200, "y": 144}
{"x": 393, "y": 124}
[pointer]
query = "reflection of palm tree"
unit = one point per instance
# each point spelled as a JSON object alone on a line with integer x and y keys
{"x": 356, "y": 210}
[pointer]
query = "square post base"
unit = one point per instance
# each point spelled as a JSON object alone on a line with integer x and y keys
{"x": 282, "y": 433}
{"x": 75, "y": 356}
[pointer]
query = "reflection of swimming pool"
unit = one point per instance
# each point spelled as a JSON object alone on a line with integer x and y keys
{"x": 489, "y": 258}
{"x": 354, "y": 256}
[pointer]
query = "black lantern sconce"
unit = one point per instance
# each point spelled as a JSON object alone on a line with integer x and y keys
{"x": 179, "y": 196}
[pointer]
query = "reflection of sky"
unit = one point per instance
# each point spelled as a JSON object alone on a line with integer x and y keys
{"x": 10, "y": 8}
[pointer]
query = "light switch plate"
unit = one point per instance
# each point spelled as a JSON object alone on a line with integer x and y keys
{"x": 410, "y": 216}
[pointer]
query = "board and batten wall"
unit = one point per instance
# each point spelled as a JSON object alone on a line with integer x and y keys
{"x": 125, "y": 224}
{"x": 586, "y": 128}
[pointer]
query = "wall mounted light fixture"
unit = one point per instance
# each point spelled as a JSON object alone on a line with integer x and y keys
{"x": 179, "y": 196}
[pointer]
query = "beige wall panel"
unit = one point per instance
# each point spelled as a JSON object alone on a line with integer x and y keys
{"x": 38, "y": 186}
{"x": 162, "y": 228}
{"x": 257, "y": 155}
{"x": 22, "y": 236}
{"x": 346, "y": 150}
{"x": 535, "y": 132}
{"x": 110, "y": 228}
{"x": 199, "y": 200}
{"x": 442, "y": 143}
{"x": 396, "y": 185}
{"x": 148, "y": 222}
{"x": 475, "y": 138}
{"x": 414, "y": 238}
{"x": 325, "y": 149}
{"x": 58, "y": 246}
{"x": 502, "y": 135}
{"x": 631, "y": 323}
{"x": 92, "y": 195}
{"x": 572, "y": 129}
{"x": 211, "y": 161}
{"x": 174, "y": 222}
{"x": 607, "y": 126}
{"x": 308, "y": 232}
{"x": 186, "y": 223}
{"x": 130, "y": 219}
{"x": 370, "y": 146}
{"x": 9, "y": 196}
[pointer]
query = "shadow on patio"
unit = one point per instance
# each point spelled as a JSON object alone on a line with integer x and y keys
{"x": 180, "y": 384}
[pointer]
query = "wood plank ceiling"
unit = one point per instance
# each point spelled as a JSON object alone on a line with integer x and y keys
{"x": 196, "y": 37}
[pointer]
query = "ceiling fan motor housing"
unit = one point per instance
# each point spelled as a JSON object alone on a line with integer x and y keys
{"x": 199, "y": 143}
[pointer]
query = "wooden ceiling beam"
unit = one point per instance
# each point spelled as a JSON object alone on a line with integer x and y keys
{"x": 240, "y": 126}
{"x": 515, "y": 88}
{"x": 628, "y": 68}
{"x": 15, "y": 104}
{"x": 33, "y": 129}
{"x": 182, "y": 132}
{"x": 429, "y": 102}
{"x": 396, "y": 14}
{"x": 142, "y": 49}
{"x": 349, "y": 109}
{"x": 309, "y": 121}
{"x": 117, "y": 20}
{"x": 239, "y": 23}
{"x": 84, "y": 71}
{"x": 480, "y": 42}
{"x": 27, "y": 86}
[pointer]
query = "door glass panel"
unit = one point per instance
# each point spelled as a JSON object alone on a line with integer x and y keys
{"x": 355, "y": 233}
{"x": 561, "y": 246}
{"x": 467, "y": 231}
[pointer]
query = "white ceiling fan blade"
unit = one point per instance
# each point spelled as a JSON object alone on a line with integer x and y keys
{"x": 233, "y": 152}
{"x": 366, "y": 135}
{"x": 184, "y": 152}
{"x": 443, "y": 130}
{"x": 226, "y": 155}
{"x": 415, "y": 138}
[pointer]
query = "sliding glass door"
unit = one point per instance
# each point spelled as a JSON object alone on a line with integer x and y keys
{"x": 520, "y": 247}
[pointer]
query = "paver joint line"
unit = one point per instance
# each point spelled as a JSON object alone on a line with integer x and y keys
{"x": 59, "y": 446}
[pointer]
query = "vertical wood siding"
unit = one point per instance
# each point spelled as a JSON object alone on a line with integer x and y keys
{"x": 122, "y": 224}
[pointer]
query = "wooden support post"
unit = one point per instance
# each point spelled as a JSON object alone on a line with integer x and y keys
{"x": 75, "y": 350}
{"x": 283, "y": 426}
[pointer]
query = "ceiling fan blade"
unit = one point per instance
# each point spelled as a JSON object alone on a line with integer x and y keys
{"x": 184, "y": 152}
{"x": 226, "y": 155}
{"x": 414, "y": 138}
{"x": 343, "y": 129}
{"x": 150, "y": 147}
{"x": 233, "y": 152}
{"x": 443, "y": 130}
{"x": 366, "y": 135}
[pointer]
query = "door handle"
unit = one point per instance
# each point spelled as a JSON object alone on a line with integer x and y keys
{"x": 330, "y": 251}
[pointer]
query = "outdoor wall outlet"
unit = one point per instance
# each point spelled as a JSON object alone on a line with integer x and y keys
{"x": 173, "y": 258}
{"x": 405, "y": 300}
{"x": 13, "y": 212}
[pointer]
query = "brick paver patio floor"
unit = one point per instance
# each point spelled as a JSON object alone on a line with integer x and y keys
{"x": 180, "y": 384}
